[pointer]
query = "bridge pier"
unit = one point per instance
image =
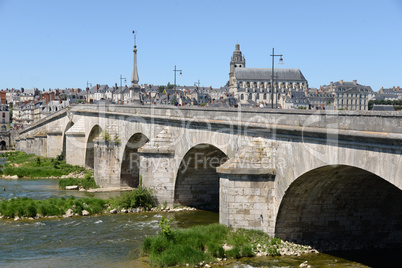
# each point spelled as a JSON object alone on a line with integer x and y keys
{"x": 247, "y": 189}
{"x": 30, "y": 147}
{"x": 41, "y": 144}
{"x": 17, "y": 144}
{"x": 158, "y": 173}
{"x": 21, "y": 145}
{"x": 54, "y": 143}
{"x": 75, "y": 148}
{"x": 158, "y": 166}
{"x": 247, "y": 201}
{"x": 107, "y": 163}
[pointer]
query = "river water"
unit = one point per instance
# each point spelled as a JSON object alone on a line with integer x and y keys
{"x": 105, "y": 240}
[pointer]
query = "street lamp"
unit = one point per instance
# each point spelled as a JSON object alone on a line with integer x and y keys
{"x": 272, "y": 76}
{"x": 89, "y": 85}
{"x": 175, "y": 71}
{"x": 121, "y": 78}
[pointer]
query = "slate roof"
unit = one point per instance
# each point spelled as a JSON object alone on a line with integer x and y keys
{"x": 259, "y": 74}
{"x": 383, "y": 107}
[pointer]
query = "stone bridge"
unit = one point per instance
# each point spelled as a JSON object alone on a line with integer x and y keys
{"x": 298, "y": 175}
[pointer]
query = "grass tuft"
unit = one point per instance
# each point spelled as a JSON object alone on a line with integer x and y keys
{"x": 203, "y": 244}
{"x": 139, "y": 197}
{"x": 87, "y": 183}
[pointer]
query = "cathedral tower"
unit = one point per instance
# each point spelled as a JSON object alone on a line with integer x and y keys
{"x": 237, "y": 61}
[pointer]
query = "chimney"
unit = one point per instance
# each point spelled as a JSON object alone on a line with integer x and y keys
{"x": 331, "y": 86}
{"x": 355, "y": 82}
{"x": 341, "y": 82}
{"x": 399, "y": 88}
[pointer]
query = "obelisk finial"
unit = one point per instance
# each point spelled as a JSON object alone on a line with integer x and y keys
{"x": 134, "y": 76}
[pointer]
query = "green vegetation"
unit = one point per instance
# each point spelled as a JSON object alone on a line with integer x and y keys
{"x": 26, "y": 207}
{"x": 32, "y": 166}
{"x": 139, "y": 197}
{"x": 396, "y": 103}
{"x": 204, "y": 244}
{"x": 107, "y": 137}
{"x": 88, "y": 182}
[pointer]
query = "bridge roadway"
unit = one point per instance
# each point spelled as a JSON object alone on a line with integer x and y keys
{"x": 299, "y": 175}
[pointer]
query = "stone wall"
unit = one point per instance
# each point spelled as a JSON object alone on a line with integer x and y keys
{"x": 247, "y": 201}
{"x": 107, "y": 164}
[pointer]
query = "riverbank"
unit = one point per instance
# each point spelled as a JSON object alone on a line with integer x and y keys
{"x": 25, "y": 165}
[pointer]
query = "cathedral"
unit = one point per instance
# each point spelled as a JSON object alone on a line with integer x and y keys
{"x": 253, "y": 86}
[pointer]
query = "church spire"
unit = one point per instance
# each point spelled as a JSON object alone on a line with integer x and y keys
{"x": 134, "y": 76}
{"x": 237, "y": 61}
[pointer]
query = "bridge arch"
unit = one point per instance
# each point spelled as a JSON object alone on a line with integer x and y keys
{"x": 130, "y": 165}
{"x": 3, "y": 145}
{"x": 341, "y": 204}
{"x": 197, "y": 182}
{"x": 90, "y": 149}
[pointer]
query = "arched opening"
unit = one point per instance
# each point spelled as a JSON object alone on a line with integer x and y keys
{"x": 3, "y": 145}
{"x": 69, "y": 125}
{"x": 90, "y": 151}
{"x": 130, "y": 172}
{"x": 338, "y": 207}
{"x": 197, "y": 182}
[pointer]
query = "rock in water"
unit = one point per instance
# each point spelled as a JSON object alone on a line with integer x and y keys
{"x": 69, "y": 213}
{"x": 85, "y": 213}
{"x": 72, "y": 187}
{"x": 113, "y": 211}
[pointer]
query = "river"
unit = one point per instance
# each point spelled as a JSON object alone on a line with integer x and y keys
{"x": 105, "y": 240}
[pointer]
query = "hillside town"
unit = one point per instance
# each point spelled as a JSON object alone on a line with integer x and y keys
{"x": 246, "y": 87}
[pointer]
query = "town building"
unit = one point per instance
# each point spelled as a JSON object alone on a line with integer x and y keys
{"x": 349, "y": 95}
{"x": 251, "y": 86}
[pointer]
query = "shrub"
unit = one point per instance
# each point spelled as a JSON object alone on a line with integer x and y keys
{"x": 166, "y": 230}
{"x": 139, "y": 197}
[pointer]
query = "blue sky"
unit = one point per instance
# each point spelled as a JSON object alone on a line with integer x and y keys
{"x": 64, "y": 44}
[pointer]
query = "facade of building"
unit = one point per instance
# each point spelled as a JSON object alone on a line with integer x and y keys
{"x": 4, "y": 118}
{"x": 349, "y": 95}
